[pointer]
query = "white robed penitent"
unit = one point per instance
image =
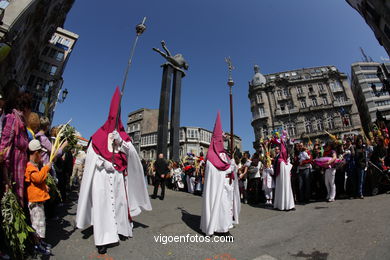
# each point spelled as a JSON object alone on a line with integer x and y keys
{"x": 221, "y": 200}
{"x": 284, "y": 198}
{"x": 221, "y": 197}
{"x": 102, "y": 198}
{"x": 113, "y": 187}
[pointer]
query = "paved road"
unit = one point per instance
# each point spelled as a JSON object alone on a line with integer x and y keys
{"x": 345, "y": 229}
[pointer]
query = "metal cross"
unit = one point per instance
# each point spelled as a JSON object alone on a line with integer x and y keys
{"x": 230, "y": 66}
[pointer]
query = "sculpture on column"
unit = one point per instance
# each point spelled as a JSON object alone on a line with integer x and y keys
{"x": 174, "y": 66}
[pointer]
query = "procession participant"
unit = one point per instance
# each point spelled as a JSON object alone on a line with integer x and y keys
{"x": 37, "y": 194}
{"x": 113, "y": 187}
{"x": 304, "y": 169}
{"x": 161, "y": 168}
{"x": 221, "y": 198}
{"x": 78, "y": 167}
{"x": 284, "y": 199}
{"x": 14, "y": 145}
{"x": 330, "y": 172}
{"x": 268, "y": 180}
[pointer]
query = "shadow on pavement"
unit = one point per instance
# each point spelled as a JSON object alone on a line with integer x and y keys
{"x": 315, "y": 255}
{"x": 139, "y": 225}
{"x": 192, "y": 221}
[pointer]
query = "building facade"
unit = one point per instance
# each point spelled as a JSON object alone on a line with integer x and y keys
{"x": 26, "y": 27}
{"x": 304, "y": 102}
{"x": 142, "y": 127}
{"x": 45, "y": 81}
{"x": 369, "y": 102}
{"x": 376, "y": 14}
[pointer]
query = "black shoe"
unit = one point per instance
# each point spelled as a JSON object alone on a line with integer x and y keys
{"x": 123, "y": 238}
{"x": 153, "y": 197}
{"x": 102, "y": 249}
{"x": 161, "y": 198}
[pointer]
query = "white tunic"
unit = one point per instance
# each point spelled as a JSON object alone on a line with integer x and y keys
{"x": 268, "y": 181}
{"x": 284, "y": 199}
{"x": 102, "y": 199}
{"x": 221, "y": 200}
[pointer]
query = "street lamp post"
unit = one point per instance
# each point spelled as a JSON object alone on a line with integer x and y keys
{"x": 231, "y": 84}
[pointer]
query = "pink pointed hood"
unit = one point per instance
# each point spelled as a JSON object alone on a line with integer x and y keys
{"x": 100, "y": 138}
{"x": 216, "y": 152}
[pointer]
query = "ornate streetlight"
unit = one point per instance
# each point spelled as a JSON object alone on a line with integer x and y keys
{"x": 230, "y": 83}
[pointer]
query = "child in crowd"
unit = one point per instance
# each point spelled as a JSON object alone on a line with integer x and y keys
{"x": 37, "y": 194}
{"x": 268, "y": 181}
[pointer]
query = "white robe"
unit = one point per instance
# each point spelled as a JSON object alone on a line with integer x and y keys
{"x": 102, "y": 198}
{"x": 221, "y": 200}
{"x": 284, "y": 199}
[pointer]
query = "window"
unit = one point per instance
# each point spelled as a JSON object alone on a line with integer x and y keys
{"x": 314, "y": 102}
{"x": 66, "y": 42}
{"x": 265, "y": 131}
{"x": 310, "y": 87}
{"x": 330, "y": 122}
{"x": 299, "y": 90}
{"x": 53, "y": 70}
{"x": 303, "y": 103}
{"x": 331, "y": 85}
{"x": 259, "y": 98}
{"x": 320, "y": 86}
{"x": 192, "y": 133}
{"x": 346, "y": 120}
{"x": 52, "y": 53}
{"x": 279, "y": 92}
{"x": 290, "y": 105}
{"x": 324, "y": 101}
{"x": 60, "y": 56}
{"x": 181, "y": 138}
{"x": 291, "y": 129}
{"x": 261, "y": 111}
{"x": 286, "y": 93}
{"x": 319, "y": 124}
{"x": 383, "y": 103}
{"x": 368, "y": 68}
{"x": 308, "y": 126}
{"x": 45, "y": 67}
{"x": 45, "y": 51}
{"x": 371, "y": 76}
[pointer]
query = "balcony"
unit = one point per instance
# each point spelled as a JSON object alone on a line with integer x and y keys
{"x": 283, "y": 97}
{"x": 338, "y": 103}
{"x": 323, "y": 91}
{"x": 312, "y": 94}
{"x": 337, "y": 90}
{"x": 262, "y": 116}
{"x": 301, "y": 95}
{"x": 286, "y": 112}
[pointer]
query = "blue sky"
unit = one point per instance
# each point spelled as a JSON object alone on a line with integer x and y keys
{"x": 277, "y": 35}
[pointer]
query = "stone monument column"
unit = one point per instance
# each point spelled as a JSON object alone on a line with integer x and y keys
{"x": 163, "y": 114}
{"x": 174, "y": 67}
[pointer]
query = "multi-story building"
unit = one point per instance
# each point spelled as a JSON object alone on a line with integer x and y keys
{"x": 364, "y": 81}
{"x": 143, "y": 121}
{"x": 376, "y": 15}
{"x": 26, "y": 27}
{"x": 304, "y": 102}
{"x": 142, "y": 128}
{"x": 45, "y": 81}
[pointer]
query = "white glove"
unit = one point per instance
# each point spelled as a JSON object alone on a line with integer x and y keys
{"x": 116, "y": 136}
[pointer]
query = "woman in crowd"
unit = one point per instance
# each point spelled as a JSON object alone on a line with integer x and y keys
{"x": 361, "y": 165}
{"x": 254, "y": 179}
{"x": 330, "y": 172}
{"x": 14, "y": 145}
